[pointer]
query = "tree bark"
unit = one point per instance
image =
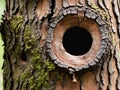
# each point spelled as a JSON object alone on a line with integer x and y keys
{"x": 35, "y": 57}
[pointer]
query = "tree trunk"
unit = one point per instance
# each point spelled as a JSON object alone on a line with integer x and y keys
{"x": 61, "y": 45}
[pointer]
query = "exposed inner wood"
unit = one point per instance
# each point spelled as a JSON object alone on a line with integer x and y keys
{"x": 57, "y": 45}
{"x": 41, "y": 10}
{"x": 88, "y": 81}
{"x": 67, "y": 83}
{"x": 44, "y": 33}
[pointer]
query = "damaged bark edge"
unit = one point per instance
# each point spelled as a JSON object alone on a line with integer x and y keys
{"x": 91, "y": 14}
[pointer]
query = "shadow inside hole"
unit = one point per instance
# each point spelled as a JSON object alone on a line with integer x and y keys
{"x": 77, "y": 41}
{"x": 23, "y": 56}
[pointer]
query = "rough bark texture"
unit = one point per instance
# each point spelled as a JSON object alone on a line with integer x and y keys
{"x": 30, "y": 62}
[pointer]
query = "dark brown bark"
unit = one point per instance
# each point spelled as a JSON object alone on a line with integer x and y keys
{"x": 35, "y": 57}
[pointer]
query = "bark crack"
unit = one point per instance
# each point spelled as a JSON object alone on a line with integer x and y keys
{"x": 52, "y": 7}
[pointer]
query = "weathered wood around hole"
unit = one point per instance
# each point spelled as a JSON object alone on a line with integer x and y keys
{"x": 100, "y": 34}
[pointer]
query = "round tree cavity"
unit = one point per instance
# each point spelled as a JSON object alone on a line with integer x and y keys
{"x": 77, "y": 41}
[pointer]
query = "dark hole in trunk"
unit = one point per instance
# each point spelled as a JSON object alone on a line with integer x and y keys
{"x": 23, "y": 56}
{"x": 77, "y": 41}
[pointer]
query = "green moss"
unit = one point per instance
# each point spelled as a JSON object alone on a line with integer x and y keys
{"x": 37, "y": 75}
{"x": 30, "y": 41}
{"x": 15, "y": 25}
{"x": 36, "y": 72}
{"x": 16, "y": 22}
{"x": 42, "y": 70}
{"x": 50, "y": 65}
